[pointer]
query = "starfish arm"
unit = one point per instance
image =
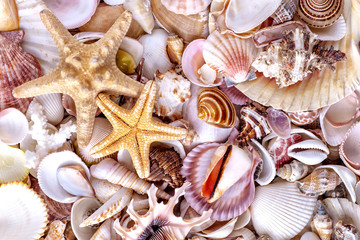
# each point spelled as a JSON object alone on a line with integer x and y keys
{"x": 43, "y": 85}
{"x": 113, "y": 112}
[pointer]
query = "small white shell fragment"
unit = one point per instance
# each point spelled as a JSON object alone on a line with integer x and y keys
{"x": 104, "y": 190}
{"x": 309, "y": 236}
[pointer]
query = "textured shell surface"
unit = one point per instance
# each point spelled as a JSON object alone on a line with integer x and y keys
{"x": 304, "y": 118}
{"x": 175, "y": 48}
{"x": 8, "y": 16}
{"x": 142, "y": 13}
{"x": 104, "y": 189}
{"x": 322, "y": 223}
{"x": 53, "y": 108}
{"x": 345, "y": 231}
{"x": 320, "y": 13}
{"x": 214, "y": 107}
{"x": 12, "y": 164}
{"x": 186, "y": 7}
{"x": 309, "y": 151}
{"x": 56, "y": 230}
{"x": 287, "y": 217}
{"x": 293, "y": 171}
{"x": 235, "y": 95}
{"x": 349, "y": 151}
{"x": 285, "y": 11}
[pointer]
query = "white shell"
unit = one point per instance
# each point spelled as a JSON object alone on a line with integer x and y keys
{"x": 12, "y": 164}
{"x": 124, "y": 159}
{"x": 37, "y": 40}
{"x": 47, "y": 175}
{"x": 142, "y": 13}
{"x": 244, "y": 15}
{"x": 357, "y": 192}
{"x": 219, "y": 233}
{"x": 349, "y": 149}
{"x": 105, "y": 231}
{"x": 53, "y": 108}
{"x": 280, "y": 210}
{"x": 309, "y": 236}
{"x": 104, "y": 190}
{"x": 13, "y": 126}
{"x": 79, "y": 212}
{"x": 333, "y": 33}
{"x": 313, "y": 151}
{"x": 186, "y": 7}
{"x": 155, "y": 54}
{"x": 24, "y": 214}
{"x": 114, "y": 2}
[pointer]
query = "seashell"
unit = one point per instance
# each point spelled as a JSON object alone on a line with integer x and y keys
{"x": 188, "y": 27}
{"x": 357, "y": 191}
{"x": 142, "y": 13}
{"x": 114, "y": 205}
{"x": 242, "y": 16}
{"x": 12, "y": 164}
{"x": 311, "y": 151}
{"x": 304, "y": 118}
{"x": 233, "y": 202}
{"x": 318, "y": 182}
{"x": 338, "y": 192}
{"x": 13, "y": 126}
{"x": 73, "y": 14}
{"x": 193, "y": 66}
{"x": 81, "y": 210}
{"x": 155, "y": 54}
{"x": 104, "y": 190}
{"x": 235, "y": 96}
{"x": 173, "y": 91}
{"x": 335, "y": 32}
{"x": 287, "y": 217}
{"x": 349, "y": 151}
{"x": 37, "y": 40}
{"x": 309, "y": 236}
{"x": 279, "y": 149}
{"x": 56, "y": 230}
{"x": 15, "y": 70}
{"x": 345, "y": 231}
{"x": 279, "y": 122}
{"x": 114, "y": 2}
{"x": 229, "y": 55}
{"x": 52, "y": 184}
{"x": 105, "y": 231}
{"x": 256, "y": 125}
{"x": 285, "y": 11}
{"x": 215, "y": 108}
{"x": 105, "y": 16}
{"x": 29, "y": 220}
{"x": 318, "y": 13}
{"x": 165, "y": 164}
{"x": 175, "y": 48}
{"x": 322, "y": 223}
{"x": 219, "y": 230}
{"x": 9, "y": 16}
{"x": 186, "y": 7}
{"x": 53, "y": 108}
{"x": 293, "y": 171}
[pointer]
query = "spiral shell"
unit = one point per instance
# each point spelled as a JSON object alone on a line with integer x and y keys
{"x": 320, "y": 13}
{"x": 215, "y": 108}
{"x": 322, "y": 223}
{"x": 293, "y": 171}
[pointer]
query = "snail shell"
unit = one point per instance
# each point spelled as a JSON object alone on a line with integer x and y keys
{"x": 320, "y": 13}
{"x": 215, "y": 108}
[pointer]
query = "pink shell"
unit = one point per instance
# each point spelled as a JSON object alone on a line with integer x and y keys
{"x": 279, "y": 122}
{"x": 233, "y": 202}
{"x": 279, "y": 150}
{"x": 16, "y": 68}
{"x": 349, "y": 148}
{"x": 304, "y": 118}
{"x": 235, "y": 95}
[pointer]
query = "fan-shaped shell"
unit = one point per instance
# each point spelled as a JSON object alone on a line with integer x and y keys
{"x": 229, "y": 55}
{"x": 280, "y": 210}
{"x": 53, "y": 107}
{"x": 320, "y": 13}
{"x": 12, "y": 164}
{"x": 186, "y": 7}
{"x": 214, "y": 107}
{"x": 24, "y": 212}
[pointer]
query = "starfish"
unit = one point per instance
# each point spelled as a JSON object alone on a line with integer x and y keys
{"x": 135, "y": 129}
{"x": 84, "y": 71}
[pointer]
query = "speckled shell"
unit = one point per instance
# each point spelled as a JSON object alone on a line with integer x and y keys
{"x": 322, "y": 223}
{"x": 16, "y": 68}
{"x": 320, "y": 13}
{"x": 214, "y": 107}
{"x": 56, "y": 230}
{"x": 345, "y": 231}
{"x": 304, "y": 118}
{"x": 186, "y": 7}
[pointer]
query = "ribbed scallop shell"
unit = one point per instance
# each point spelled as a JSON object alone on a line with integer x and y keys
{"x": 12, "y": 164}
{"x": 186, "y": 7}
{"x": 229, "y": 55}
{"x": 320, "y": 13}
{"x": 24, "y": 214}
{"x": 53, "y": 109}
{"x": 214, "y": 107}
{"x": 16, "y": 68}
{"x": 280, "y": 210}
{"x": 343, "y": 209}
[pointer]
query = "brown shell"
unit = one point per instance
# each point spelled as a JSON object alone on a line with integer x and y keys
{"x": 215, "y": 108}
{"x": 16, "y": 68}
{"x": 165, "y": 165}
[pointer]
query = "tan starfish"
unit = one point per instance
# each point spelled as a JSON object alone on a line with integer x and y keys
{"x": 135, "y": 129}
{"x": 84, "y": 71}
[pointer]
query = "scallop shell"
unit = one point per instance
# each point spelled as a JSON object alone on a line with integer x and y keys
{"x": 12, "y": 167}
{"x": 235, "y": 96}
{"x": 142, "y": 13}
{"x": 26, "y": 213}
{"x": 231, "y": 203}
{"x": 186, "y": 7}
{"x": 280, "y": 210}
{"x": 319, "y": 13}
{"x": 188, "y": 27}
{"x": 16, "y": 67}
{"x": 37, "y": 40}
{"x": 285, "y": 11}
{"x": 229, "y": 55}
{"x": 14, "y": 126}
{"x": 322, "y": 223}
{"x": 323, "y": 88}
{"x": 214, "y": 107}
{"x": 53, "y": 108}
{"x": 175, "y": 48}
{"x": 9, "y": 19}
{"x": 293, "y": 171}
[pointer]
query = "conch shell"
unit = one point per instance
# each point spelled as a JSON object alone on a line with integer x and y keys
{"x": 322, "y": 223}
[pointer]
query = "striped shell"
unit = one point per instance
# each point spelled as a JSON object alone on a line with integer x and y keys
{"x": 215, "y": 108}
{"x": 285, "y": 11}
{"x": 186, "y": 7}
{"x": 304, "y": 118}
{"x": 293, "y": 171}
{"x": 322, "y": 224}
{"x": 320, "y": 13}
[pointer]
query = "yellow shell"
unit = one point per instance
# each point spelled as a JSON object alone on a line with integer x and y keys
{"x": 175, "y": 48}
{"x": 320, "y": 13}
{"x": 9, "y": 19}
{"x": 214, "y": 107}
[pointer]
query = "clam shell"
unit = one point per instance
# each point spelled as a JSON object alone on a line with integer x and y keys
{"x": 13, "y": 126}
{"x": 318, "y": 13}
{"x": 142, "y": 13}
{"x": 323, "y": 88}
{"x": 279, "y": 122}
{"x": 229, "y": 55}
{"x": 214, "y": 107}
{"x": 48, "y": 179}
{"x": 188, "y": 27}
{"x": 186, "y": 7}
{"x": 53, "y": 108}
{"x": 9, "y": 19}
{"x": 12, "y": 167}
{"x": 37, "y": 40}
{"x": 335, "y": 32}
{"x": 26, "y": 213}
{"x": 280, "y": 210}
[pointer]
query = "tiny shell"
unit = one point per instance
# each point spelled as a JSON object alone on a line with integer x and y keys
{"x": 56, "y": 230}
{"x": 345, "y": 231}
{"x": 322, "y": 223}
{"x": 175, "y": 48}
{"x": 186, "y": 7}
{"x": 9, "y": 19}
{"x": 285, "y": 11}
{"x": 293, "y": 171}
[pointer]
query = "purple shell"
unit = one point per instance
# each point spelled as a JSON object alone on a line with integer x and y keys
{"x": 235, "y": 95}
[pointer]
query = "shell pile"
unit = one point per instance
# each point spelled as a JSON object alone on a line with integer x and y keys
{"x": 245, "y": 116}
